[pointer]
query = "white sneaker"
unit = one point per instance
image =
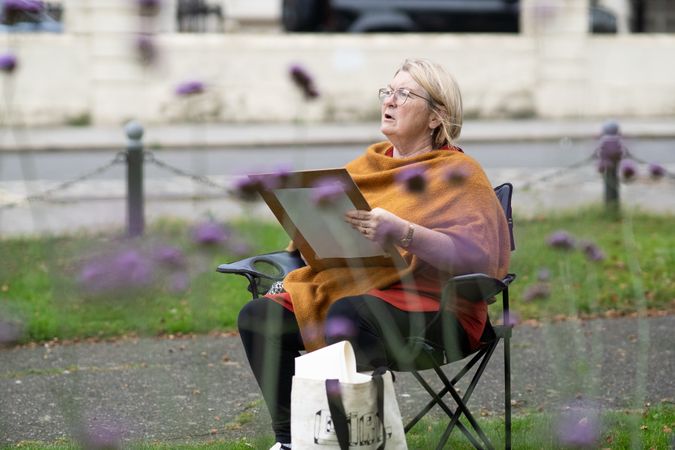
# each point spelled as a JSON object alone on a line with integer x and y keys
{"x": 280, "y": 446}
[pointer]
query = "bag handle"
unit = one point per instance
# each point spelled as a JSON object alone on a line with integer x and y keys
{"x": 337, "y": 408}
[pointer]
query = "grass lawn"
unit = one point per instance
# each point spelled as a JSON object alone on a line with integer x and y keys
{"x": 647, "y": 429}
{"x": 41, "y": 278}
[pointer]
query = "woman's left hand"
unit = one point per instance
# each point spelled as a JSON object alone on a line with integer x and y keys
{"x": 378, "y": 225}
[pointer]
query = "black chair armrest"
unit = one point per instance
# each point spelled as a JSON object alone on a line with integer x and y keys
{"x": 475, "y": 287}
{"x": 274, "y": 266}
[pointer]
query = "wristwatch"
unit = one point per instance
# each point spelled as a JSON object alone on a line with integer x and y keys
{"x": 407, "y": 239}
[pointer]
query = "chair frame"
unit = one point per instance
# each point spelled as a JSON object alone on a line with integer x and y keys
{"x": 473, "y": 287}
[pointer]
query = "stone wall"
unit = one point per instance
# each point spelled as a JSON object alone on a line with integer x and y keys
{"x": 553, "y": 69}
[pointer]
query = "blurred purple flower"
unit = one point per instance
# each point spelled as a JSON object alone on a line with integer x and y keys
{"x": 413, "y": 179}
{"x": 101, "y": 435}
{"x": 327, "y": 190}
{"x": 149, "y": 7}
{"x": 190, "y": 87}
{"x": 340, "y": 328}
{"x": 179, "y": 282}
{"x": 125, "y": 269}
{"x": 147, "y": 49}
{"x": 561, "y": 239}
{"x": 8, "y": 62}
{"x": 592, "y": 251}
{"x": 171, "y": 257}
{"x": 19, "y": 6}
{"x": 656, "y": 171}
{"x": 10, "y": 332}
{"x": 579, "y": 427}
{"x": 611, "y": 149}
{"x": 304, "y": 81}
{"x": 238, "y": 247}
{"x": 511, "y": 318}
{"x": 544, "y": 274}
{"x": 246, "y": 188}
{"x": 210, "y": 233}
{"x": 628, "y": 169}
{"x": 537, "y": 291}
{"x": 456, "y": 176}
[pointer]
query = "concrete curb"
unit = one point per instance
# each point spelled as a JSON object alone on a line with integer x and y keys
{"x": 210, "y": 136}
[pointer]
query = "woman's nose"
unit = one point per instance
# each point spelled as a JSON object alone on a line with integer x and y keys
{"x": 390, "y": 100}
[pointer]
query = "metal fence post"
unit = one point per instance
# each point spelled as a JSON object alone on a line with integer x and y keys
{"x": 610, "y": 153}
{"x": 135, "y": 215}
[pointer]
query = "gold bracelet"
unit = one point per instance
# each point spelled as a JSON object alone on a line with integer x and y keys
{"x": 407, "y": 239}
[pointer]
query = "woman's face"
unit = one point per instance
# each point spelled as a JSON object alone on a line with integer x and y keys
{"x": 409, "y": 123}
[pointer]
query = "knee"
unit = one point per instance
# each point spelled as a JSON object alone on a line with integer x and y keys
{"x": 342, "y": 321}
{"x": 250, "y": 313}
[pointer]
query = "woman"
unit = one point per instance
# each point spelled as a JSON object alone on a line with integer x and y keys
{"x": 447, "y": 222}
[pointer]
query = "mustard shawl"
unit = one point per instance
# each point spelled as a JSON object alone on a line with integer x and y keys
{"x": 467, "y": 211}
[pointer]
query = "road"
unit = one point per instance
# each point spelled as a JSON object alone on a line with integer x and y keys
{"x": 99, "y": 201}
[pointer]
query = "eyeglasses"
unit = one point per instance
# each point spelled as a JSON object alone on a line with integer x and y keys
{"x": 400, "y": 96}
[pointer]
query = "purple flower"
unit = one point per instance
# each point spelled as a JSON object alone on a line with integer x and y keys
{"x": 101, "y": 435}
{"x": 592, "y": 251}
{"x": 209, "y": 233}
{"x": 179, "y": 282}
{"x": 456, "y": 176}
{"x": 511, "y": 318}
{"x": 25, "y": 6}
{"x": 628, "y": 169}
{"x": 340, "y": 328}
{"x": 171, "y": 257}
{"x": 147, "y": 49}
{"x": 8, "y": 62}
{"x": 327, "y": 191}
{"x": 561, "y": 239}
{"x": 304, "y": 81}
{"x": 413, "y": 179}
{"x": 579, "y": 427}
{"x": 656, "y": 171}
{"x": 191, "y": 87}
{"x": 247, "y": 188}
{"x": 537, "y": 291}
{"x": 122, "y": 270}
{"x": 544, "y": 274}
{"x": 148, "y": 7}
{"x": 611, "y": 149}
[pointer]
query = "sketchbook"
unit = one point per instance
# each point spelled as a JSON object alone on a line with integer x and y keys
{"x": 316, "y": 224}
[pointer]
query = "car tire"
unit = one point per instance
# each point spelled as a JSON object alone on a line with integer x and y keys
{"x": 301, "y": 15}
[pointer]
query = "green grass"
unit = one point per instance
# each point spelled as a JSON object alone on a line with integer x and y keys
{"x": 38, "y": 285}
{"x": 37, "y": 277}
{"x": 637, "y": 273}
{"x": 647, "y": 429}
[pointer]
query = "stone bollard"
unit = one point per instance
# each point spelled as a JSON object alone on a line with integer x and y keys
{"x": 610, "y": 152}
{"x": 135, "y": 214}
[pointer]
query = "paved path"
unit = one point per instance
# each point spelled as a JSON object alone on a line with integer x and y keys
{"x": 199, "y": 387}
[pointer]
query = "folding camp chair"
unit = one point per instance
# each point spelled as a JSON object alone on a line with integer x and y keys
{"x": 263, "y": 270}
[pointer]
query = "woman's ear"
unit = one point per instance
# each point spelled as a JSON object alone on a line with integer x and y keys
{"x": 434, "y": 121}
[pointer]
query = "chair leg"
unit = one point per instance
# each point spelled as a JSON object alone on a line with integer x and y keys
{"x": 507, "y": 392}
{"x": 447, "y": 410}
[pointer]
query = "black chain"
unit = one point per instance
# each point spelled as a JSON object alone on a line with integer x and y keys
{"x": 119, "y": 158}
{"x": 150, "y": 157}
{"x": 558, "y": 172}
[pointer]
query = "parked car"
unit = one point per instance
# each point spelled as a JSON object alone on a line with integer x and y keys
{"x": 30, "y": 16}
{"x": 483, "y": 16}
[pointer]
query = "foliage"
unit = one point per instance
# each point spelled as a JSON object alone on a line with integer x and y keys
{"x": 39, "y": 276}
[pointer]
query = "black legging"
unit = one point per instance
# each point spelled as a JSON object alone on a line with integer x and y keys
{"x": 376, "y": 330}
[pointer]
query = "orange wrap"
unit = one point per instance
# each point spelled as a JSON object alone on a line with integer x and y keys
{"x": 467, "y": 211}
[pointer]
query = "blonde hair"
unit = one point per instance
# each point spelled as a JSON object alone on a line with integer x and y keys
{"x": 446, "y": 100}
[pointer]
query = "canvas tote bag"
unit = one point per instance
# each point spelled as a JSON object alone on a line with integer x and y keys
{"x": 344, "y": 411}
